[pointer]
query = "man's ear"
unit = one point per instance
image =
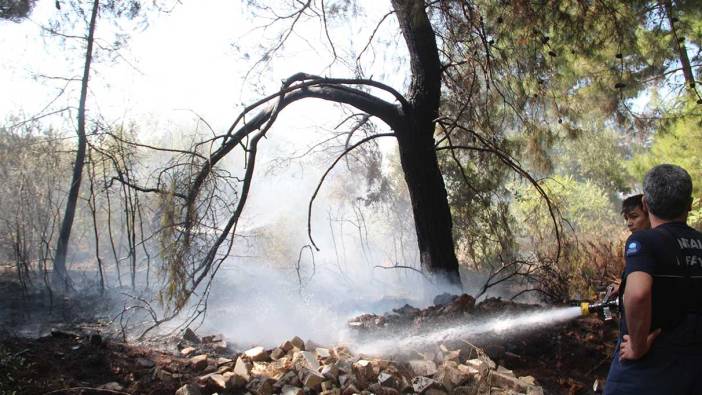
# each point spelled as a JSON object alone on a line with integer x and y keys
{"x": 644, "y": 203}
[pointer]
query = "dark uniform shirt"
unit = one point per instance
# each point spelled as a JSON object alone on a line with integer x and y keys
{"x": 672, "y": 254}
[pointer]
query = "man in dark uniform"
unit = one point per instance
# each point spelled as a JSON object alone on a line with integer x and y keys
{"x": 660, "y": 346}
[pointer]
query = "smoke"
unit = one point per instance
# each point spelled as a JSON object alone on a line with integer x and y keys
{"x": 278, "y": 286}
{"x": 263, "y": 305}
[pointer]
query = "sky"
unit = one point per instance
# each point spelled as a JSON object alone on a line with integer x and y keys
{"x": 191, "y": 63}
{"x": 192, "y": 59}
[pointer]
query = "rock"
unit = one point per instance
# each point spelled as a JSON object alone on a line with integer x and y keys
{"x": 187, "y": 351}
{"x": 233, "y": 380}
{"x": 480, "y": 365}
{"x": 330, "y": 372}
{"x": 190, "y": 336}
{"x": 387, "y": 380}
{"x": 199, "y": 362}
{"x": 502, "y": 369}
{"x": 435, "y": 391}
{"x": 213, "y": 382}
{"x": 323, "y": 353}
{"x": 466, "y": 390}
{"x": 528, "y": 380}
{"x": 277, "y": 353}
{"x": 220, "y": 347}
{"x": 163, "y": 375}
{"x": 342, "y": 353}
{"x": 351, "y": 389}
{"x": 444, "y": 299}
{"x": 145, "y": 363}
{"x": 507, "y": 381}
{"x": 286, "y": 346}
{"x": 450, "y": 376}
{"x": 535, "y": 390}
{"x": 256, "y": 354}
{"x": 407, "y": 310}
{"x": 311, "y": 379}
{"x": 422, "y": 367}
{"x": 291, "y": 390}
{"x": 305, "y": 359}
{"x": 421, "y": 384}
{"x": 188, "y": 389}
{"x": 243, "y": 369}
{"x": 297, "y": 342}
{"x": 224, "y": 361}
{"x": 288, "y": 378}
{"x": 112, "y": 386}
{"x": 452, "y": 355}
{"x": 363, "y": 369}
{"x": 261, "y": 386}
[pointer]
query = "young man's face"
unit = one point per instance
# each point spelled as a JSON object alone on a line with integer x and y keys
{"x": 637, "y": 219}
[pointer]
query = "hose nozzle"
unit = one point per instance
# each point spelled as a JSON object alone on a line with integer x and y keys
{"x": 603, "y": 308}
{"x": 584, "y": 308}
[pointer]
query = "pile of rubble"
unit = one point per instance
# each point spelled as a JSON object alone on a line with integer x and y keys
{"x": 297, "y": 367}
{"x": 447, "y": 308}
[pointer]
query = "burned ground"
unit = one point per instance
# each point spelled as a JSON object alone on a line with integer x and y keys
{"x": 86, "y": 357}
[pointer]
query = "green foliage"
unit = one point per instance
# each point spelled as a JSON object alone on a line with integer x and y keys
{"x": 16, "y": 10}
{"x": 587, "y": 248}
{"x": 679, "y": 143}
{"x": 583, "y": 205}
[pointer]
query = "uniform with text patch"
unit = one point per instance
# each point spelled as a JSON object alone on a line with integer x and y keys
{"x": 672, "y": 254}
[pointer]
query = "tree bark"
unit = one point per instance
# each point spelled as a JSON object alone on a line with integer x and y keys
{"x": 680, "y": 48}
{"x": 415, "y": 137}
{"x": 60, "y": 274}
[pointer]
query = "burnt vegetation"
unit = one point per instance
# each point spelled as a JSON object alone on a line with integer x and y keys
{"x": 515, "y": 133}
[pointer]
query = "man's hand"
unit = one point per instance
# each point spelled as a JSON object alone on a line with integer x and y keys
{"x": 629, "y": 351}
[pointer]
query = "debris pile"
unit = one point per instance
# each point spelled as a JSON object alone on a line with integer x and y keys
{"x": 297, "y": 367}
{"x": 564, "y": 358}
{"x": 447, "y": 308}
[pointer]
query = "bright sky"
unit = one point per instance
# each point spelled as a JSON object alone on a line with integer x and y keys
{"x": 185, "y": 60}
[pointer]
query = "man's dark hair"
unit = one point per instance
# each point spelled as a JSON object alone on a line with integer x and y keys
{"x": 668, "y": 191}
{"x": 631, "y": 203}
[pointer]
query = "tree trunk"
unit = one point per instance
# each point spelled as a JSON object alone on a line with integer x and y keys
{"x": 432, "y": 216}
{"x": 60, "y": 274}
{"x": 680, "y": 48}
{"x": 415, "y": 137}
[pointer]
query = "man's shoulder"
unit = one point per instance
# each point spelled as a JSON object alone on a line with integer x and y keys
{"x": 643, "y": 242}
{"x": 682, "y": 229}
{"x": 643, "y": 236}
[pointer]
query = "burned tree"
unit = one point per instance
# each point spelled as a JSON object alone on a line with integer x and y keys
{"x": 193, "y": 255}
{"x": 411, "y": 119}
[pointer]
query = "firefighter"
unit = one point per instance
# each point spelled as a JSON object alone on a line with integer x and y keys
{"x": 659, "y": 350}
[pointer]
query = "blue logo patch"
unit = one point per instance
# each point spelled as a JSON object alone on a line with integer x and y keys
{"x": 633, "y": 248}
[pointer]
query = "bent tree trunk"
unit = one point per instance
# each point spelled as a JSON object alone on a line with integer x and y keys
{"x": 60, "y": 274}
{"x": 412, "y": 121}
{"x": 415, "y": 137}
{"x": 432, "y": 216}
